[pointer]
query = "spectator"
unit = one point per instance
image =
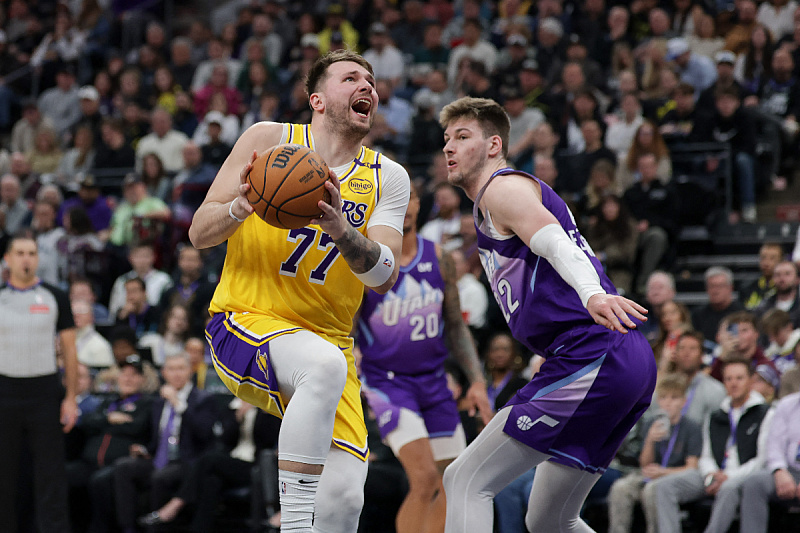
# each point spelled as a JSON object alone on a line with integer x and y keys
{"x": 79, "y": 241}
{"x": 531, "y": 83}
{"x": 90, "y": 113}
{"x": 594, "y": 151}
{"x": 523, "y": 121}
{"x": 225, "y": 121}
{"x": 190, "y": 288}
{"x": 621, "y": 132}
{"x": 613, "y": 236}
{"x": 46, "y": 154}
{"x": 217, "y": 85}
{"x": 385, "y": 57}
{"x": 584, "y": 107}
{"x": 472, "y": 294}
{"x": 122, "y": 420}
{"x": 409, "y": 31}
{"x": 182, "y": 422}
{"x": 783, "y": 338}
{"x": 123, "y": 344}
{"x": 769, "y": 255}
{"x": 77, "y": 160}
{"x": 180, "y": 64}
{"x": 781, "y": 477}
{"x": 766, "y": 381}
{"x": 546, "y": 170}
{"x": 719, "y": 289}
{"x": 142, "y": 258}
{"x": 705, "y": 393}
{"x": 25, "y": 128}
{"x": 61, "y": 103}
{"x": 674, "y": 321}
{"x": 727, "y": 459}
{"x": 90, "y": 199}
{"x": 673, "y": 444}
{"x": 191, "y": 184}
{"x": 115, "y": 157}
{"x": 171, "y": 336}
{"x": 705, "y": 40}
{"x": 678, "y": 124}
{"x": 602, "y": 183}
{"x": 790, "y": 380}
{"x": 268, "y": 109}
{"x": 504, "y": 363}
{"x": 14, "y": 206}
{"x": 257, "y": 81}
{"x": 217, "y": 54}
{"x": 739, "y": 340}
{"x": 164, "y": 141}
{"x": 754, "y": 64}
{"x": 93, "y": 349}
{"x": 185, "y": 120}
{"x": 777, "y": 16}
{"x": 165, "y": 89}
{"x": 158, "y": 184}
{"x": 786, "y": 297}
{"x": 47, "y": 236}
{"x": 139, "y": 205}
{"x": 647, "y": 139}
{"x": 263, "y": 30}
{"x": 473, "y": 80}
{"x": 779, "y": 94}
{"x": 725, "y": 60}
{"x": 474, "y": 47}
{"x": 136, "y": 312}
{"x": 660, "y": 288}
{"x": 694, "y": 69}
{"x": 733, "y": 125}
{"x": 655, "y": 207}
{"x": 739, "y": 36}
{"x": 337, "y": 28}
{"x": 446, "y": 224}
{"x": 82, "y": 290}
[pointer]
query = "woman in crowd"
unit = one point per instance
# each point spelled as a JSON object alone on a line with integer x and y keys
{"x": 613, "y": 237}
{"x": 646, "y": 140}
{"x": 674, "y": 320}
{"x": 78, "y": 159}
{"x": 171, "y": 335}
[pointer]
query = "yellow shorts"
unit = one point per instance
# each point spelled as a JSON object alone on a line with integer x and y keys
{"x": 240, "y": 351}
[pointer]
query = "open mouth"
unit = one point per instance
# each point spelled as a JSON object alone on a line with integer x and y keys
{"x": 451, "y": 163}
{"x": 362, "y": 107}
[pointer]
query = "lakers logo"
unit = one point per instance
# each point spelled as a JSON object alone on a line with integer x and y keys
{"x": 261, "y": 361}
{"x": 360, "y": 186}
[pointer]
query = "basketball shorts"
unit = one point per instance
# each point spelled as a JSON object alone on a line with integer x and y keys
{"x": 240, "y": 352}
{"x": 587, "y": 396}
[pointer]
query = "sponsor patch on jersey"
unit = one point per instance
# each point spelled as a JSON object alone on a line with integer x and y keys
{"x": 39, "y": 309}
{"x": 360, "y": 186}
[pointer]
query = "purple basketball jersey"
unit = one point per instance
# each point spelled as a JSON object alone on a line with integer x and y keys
{"x": 535, "y": 300}
{"x": 402, "y": 331}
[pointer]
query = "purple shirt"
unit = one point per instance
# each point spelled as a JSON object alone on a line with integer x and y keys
{"x": 99, "y": 212}
{"x": 537, "y": 303}
{"x": 403, "y": 330}
{"x": 783, "y": 442}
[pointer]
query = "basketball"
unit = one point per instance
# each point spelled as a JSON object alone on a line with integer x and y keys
{"x": 286, "y": 183}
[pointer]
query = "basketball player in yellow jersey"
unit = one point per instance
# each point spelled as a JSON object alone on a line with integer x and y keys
{"x": 284, "y": 306}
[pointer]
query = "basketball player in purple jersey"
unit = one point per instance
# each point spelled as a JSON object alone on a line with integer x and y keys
{"x": 599, "y": 373}
{"x": 402, "y": 341}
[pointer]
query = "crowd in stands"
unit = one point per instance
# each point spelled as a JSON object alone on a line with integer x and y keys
{"x": 644, "y": 116}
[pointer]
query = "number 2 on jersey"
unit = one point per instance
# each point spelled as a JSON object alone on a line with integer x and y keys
{"x": 504, "y": 289}
{"x": 304, "y": 238}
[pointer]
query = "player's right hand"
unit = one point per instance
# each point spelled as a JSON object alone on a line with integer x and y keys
{"x": 241, "y": 207}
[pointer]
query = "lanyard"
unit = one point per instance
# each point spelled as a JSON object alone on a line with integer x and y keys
{"x": 670, "y": 445}
{"x": 732, "y": 440}
{"x": 689, "y": 398}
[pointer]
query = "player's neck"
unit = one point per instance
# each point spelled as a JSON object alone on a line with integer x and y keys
{"x": 492, "y": 165}
{"x": 335, "y": 149}
{"x": 409, "y": 248}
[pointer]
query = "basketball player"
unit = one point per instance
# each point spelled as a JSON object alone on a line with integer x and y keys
{"x": 402, "y": 340}
{"x": 284, "y": 307}
{"x": 599, "y": 373}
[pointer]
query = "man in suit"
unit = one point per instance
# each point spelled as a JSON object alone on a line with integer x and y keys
{"x": 182, "y": 429}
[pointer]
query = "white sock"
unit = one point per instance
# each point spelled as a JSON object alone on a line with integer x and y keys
{"x": 297, "y": 494}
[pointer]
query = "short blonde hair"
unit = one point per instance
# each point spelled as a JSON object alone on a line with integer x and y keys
{"x": 490, "y": 115}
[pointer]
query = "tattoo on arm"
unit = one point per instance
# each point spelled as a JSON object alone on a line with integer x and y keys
{"x": 360, "y": 253}
{"x": 458, "y": 336}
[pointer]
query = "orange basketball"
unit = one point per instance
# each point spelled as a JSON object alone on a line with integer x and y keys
{"x": 286, "y": 183}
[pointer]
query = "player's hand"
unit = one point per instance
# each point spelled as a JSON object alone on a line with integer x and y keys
{"x": 612, "y": 311}
{"x": 69, "y": 414}
{"x": 477, "y": 399}
{"x": 785, "y": 487}
{"x": 332, "y": 220}
{"x": 241, "y": 207}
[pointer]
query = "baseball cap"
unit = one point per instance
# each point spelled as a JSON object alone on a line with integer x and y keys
{"x": 725, "y": 56}
{"x": 511, "y": 92}
{"x": 133, "y": 361}
{"x": 770, "y": 375}
{"x": 310, "y": 39}
{"x": 530, "y": 64}
{"x": 552, "y": 25}
{"x": 131, "y": 178}
{"x": 676, "y": 47}
{"x": 88, "y": 92}
{"x": 215, "y": 117}
{"x": 516, "y": 39}
{"x": 377, "y": 28}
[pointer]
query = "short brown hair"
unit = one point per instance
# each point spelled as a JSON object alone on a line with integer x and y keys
{"x": 318, "y": 72}
{"x": 740, "y": 317}
{"x": 490, "y": 115}
{"x": 675, "y": 383}
{"x": 737, "y": 361}
{"x": 696, "y": 335}
{"x": 775, "y": 320}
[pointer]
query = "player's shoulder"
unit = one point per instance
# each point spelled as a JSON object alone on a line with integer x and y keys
{"x": 393, "y": 170}
{"x": 262, "y": 134}
{"x": 517, "y": 185}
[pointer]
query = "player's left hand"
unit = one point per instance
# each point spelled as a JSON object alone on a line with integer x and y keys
{"x": 69, "y": 414}
{"x": 332, "y": 220}
{"x": 613, "y": 311}
{"x": 477, "y": 399}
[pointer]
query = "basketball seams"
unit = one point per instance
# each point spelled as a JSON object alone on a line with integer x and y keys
{"x": 286, "y": 175}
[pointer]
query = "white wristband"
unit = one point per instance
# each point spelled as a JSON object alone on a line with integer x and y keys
{"x": 230, "y": 212}
{"x": 382, "y": 271}
{"x": 552, "y": 243}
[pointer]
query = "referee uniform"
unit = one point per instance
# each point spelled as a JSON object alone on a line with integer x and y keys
{"x": 30, "y": 400}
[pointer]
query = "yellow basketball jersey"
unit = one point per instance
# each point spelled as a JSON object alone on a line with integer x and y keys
{"x": 298, "y": 277}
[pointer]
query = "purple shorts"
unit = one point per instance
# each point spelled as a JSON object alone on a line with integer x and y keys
{"x": 425, "y": 394}
{"x": 587, "y": 396}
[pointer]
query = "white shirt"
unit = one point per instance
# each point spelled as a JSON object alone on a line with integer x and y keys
{"x": 387, "y": 63}
{"x": 779, "y": 23}
{"x": 483, "y": 51}
{"x": 620, "y": 136}
{"x": 93, "y": 349}
{"x": 155, "y": 283}
{"x": 474, "y": 300}
{"x": 169, "y": 149}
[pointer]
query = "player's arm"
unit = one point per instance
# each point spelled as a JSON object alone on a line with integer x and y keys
{"x": 460, "y": 340}
{"x": 515, "y": 204}
{"x": 226, "y": 205}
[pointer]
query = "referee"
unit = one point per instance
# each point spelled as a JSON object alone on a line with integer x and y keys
{"x": 33, "y": 408}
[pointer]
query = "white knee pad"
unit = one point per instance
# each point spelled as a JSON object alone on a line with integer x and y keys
{"x": 340, "y": 496}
